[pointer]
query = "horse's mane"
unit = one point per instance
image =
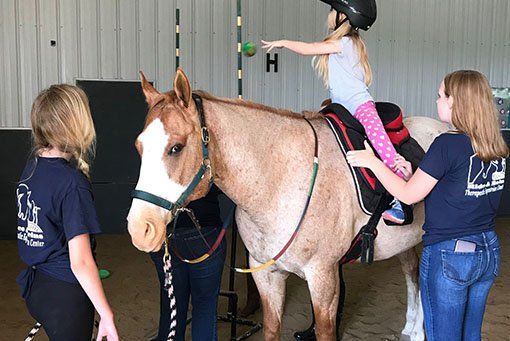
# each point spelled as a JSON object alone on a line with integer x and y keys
{"x": 257, "y": 106}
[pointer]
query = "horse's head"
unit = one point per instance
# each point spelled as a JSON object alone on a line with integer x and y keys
{"x": 170, "y": 147}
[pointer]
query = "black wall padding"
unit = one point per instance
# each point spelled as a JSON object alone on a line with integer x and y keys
{"x": 14, "y": 153}
{"x": 119, "y": 110}
{"x": 112, "y": 205}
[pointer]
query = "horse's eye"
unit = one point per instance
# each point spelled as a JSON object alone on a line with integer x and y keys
{"x": 176, "y": 149}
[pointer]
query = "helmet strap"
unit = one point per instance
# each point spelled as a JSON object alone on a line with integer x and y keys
{"x": 338, "y": 22}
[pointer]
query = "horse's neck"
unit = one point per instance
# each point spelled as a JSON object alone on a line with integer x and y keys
{"x": 255, "y": 151}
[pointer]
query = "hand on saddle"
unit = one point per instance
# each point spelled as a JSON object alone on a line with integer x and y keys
{"x": 362, "y": 158}
{"x": 404, "y": 166}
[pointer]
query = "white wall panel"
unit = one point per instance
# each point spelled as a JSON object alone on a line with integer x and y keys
{"x": 48, "y": 53}
{"x": 165, "y": 40}
{"x": 224, "y": 46}
{"x": 68, "y": 44}
{"x": 202, "y": 45}
{"x": 413, "y": 44}
{"x": 9, "y": 63}
{"x": 147, "y": 48}
{"x": 89, "y": 39}
{"x": 129, "y": 56}
{"x": 108, "y": 38}
{"x": 29, "y": 71}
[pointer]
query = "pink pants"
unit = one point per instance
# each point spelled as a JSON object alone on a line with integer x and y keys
{"x": 367, "y": 115}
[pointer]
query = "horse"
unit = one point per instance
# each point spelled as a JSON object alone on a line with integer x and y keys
{"x": 261, "y": 158}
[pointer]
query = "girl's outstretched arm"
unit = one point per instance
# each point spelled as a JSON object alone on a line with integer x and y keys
{"x": 302, "y": 48}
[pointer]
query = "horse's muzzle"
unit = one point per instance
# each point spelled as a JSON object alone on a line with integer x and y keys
{"x": 148, "y": 231}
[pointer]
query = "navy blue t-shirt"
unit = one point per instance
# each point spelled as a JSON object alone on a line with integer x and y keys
{"x": 55, "y": 204}
{"x": 467, "y": 195}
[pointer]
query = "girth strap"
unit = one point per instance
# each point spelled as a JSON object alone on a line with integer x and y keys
{"x": 369, "y": 231}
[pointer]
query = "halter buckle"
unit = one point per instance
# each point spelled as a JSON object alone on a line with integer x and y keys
{"x": 207, "y": 164}
{"x": 205, "y": 135}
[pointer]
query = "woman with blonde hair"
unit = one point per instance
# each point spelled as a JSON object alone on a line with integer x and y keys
{"x": 461, "y": 179}
{"x": 341, "y": 59}
{"x": 57, "y": 220}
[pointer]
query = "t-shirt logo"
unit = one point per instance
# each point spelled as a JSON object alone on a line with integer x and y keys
{"x": 28, "y": 211}
{"x": 485, "y": 177}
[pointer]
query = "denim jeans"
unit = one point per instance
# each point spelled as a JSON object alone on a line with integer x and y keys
{"x": 455, "y": 285}
{"x": 201, "y": 281}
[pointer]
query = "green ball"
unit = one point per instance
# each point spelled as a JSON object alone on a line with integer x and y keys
{"x": 104, "y": 273}
{"x": 249, "y": 49}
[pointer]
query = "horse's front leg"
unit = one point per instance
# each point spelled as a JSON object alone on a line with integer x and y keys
{"x": 324, "y": 286}
{"x": 271, "y": 286}
{"x": 413, "y": 329}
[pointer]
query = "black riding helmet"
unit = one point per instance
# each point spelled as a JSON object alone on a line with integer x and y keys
{"x": 361, "y": 13}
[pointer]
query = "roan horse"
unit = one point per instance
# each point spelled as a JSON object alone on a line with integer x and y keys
{"x": 261, "y": 158}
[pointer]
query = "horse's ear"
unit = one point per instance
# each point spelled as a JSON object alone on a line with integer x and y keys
{"x": 182, "y": 88}
{"x": 148, "y": 90}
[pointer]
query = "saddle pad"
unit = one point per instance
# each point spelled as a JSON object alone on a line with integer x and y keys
{"x": 350, "y": 135}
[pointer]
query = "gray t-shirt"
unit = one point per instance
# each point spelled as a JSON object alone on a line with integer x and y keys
{"x": 347, "y": 78}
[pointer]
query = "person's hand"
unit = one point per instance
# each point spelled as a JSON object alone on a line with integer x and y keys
{"x": 404, "y": 167}
{"x": 362, "y": 158}
{"x": 107, "y": 329}
{"x": 269, "y": 45}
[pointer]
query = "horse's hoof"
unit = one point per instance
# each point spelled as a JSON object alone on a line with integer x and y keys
{"x": 306, "y": 335}
{"x": 404, "y": 337}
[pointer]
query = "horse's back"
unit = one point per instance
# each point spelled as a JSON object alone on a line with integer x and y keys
{"x": 425, "y": 129}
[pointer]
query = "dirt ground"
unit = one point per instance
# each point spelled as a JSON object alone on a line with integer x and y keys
{"x": 374, "y": 308}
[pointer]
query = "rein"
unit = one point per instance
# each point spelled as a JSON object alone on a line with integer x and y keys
{"x": 212, "y": 248}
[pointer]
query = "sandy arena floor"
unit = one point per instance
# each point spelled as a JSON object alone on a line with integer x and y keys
{"x": 374, "y": 309}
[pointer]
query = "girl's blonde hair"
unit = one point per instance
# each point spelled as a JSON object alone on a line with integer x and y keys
{"x": 345, "y": 30}
{"x": 474, "y": 113}
{"x": 61, "y": 119}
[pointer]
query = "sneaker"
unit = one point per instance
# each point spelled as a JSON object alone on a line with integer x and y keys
{"x": 395, "y": 214}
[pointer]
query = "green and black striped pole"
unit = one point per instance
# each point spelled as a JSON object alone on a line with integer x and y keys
{"x": 177, "y": 31}
{"x": 239, "y": 54}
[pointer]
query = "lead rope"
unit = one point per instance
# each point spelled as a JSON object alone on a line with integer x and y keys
{"x": 32, "y": 332}
{"x": 169, "y": 287}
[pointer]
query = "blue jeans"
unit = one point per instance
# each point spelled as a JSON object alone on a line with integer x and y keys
{"x": 201, "y": 281}
{"x": 455, "y": 285}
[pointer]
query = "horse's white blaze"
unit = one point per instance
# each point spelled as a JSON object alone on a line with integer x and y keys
{"x": 153, "y": 173}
